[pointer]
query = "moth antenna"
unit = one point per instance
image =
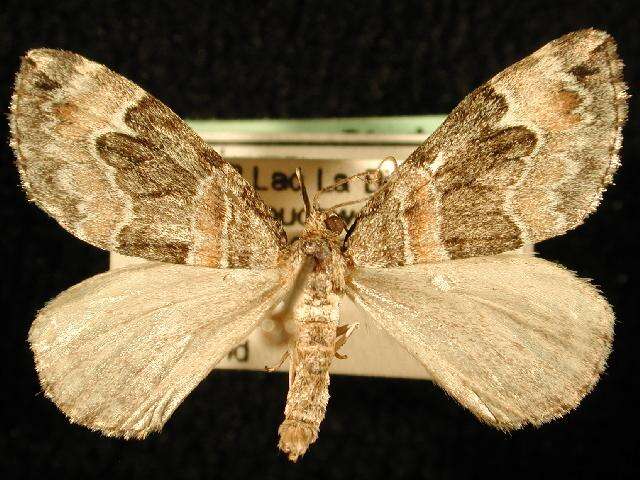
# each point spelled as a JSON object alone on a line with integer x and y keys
{"x": 303, "y": 189}
{"x": 379, "y": 175}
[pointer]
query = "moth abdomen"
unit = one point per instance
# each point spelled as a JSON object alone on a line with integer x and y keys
{"x": 311, "y": 357}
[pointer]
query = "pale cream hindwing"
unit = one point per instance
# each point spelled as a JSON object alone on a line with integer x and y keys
{"x": 120, "y": 351}
{"x": 120, "y": 170}
{"x": 515, "y": 339}
{"x": 523, "y": 158}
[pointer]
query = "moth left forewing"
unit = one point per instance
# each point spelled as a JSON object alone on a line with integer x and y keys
{"x": 523, "y": 158}
{"x": 515, "y": 339}
{"x": 118, "y": 169}
{"x": 120, "y": 351}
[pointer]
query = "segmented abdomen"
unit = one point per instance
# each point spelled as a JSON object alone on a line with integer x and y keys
{"x": 308, "y": 394}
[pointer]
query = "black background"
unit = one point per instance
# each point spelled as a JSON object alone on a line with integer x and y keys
{"x": 301, "y": 59}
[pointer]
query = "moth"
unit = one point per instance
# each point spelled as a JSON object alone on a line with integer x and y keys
{"x": 430, "y": 258}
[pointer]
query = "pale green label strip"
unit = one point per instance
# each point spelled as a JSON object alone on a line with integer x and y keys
{"x": 401, "y": 125}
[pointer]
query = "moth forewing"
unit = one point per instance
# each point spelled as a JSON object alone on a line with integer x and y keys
{"x": 120, "y": 170}
{"x": 523, "y": 158}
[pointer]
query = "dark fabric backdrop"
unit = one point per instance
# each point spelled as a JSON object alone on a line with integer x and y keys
{"x": 301, "y": 59}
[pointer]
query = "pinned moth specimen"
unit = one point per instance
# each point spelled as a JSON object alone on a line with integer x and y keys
{"x": 515, "y": 339}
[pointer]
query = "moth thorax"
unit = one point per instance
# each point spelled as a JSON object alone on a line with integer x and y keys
{"x": 316, "y": 247}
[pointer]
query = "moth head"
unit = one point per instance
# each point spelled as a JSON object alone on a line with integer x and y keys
{"x": 334, "y": 222}
{"x": 317, "y": 217}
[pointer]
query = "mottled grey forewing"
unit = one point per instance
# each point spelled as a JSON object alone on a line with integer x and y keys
{"x": 515, "y": 339}
{"x": 120, "y": 170}
{"x": 521, "y": 159}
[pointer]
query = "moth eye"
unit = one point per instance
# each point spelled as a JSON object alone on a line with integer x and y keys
{"x": 335, "y": 223}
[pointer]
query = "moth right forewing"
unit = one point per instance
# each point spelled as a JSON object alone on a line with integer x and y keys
{"x": 120, "y": 170}
{"x": 515, "y": 339}
{"x": 523, "y": 158}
